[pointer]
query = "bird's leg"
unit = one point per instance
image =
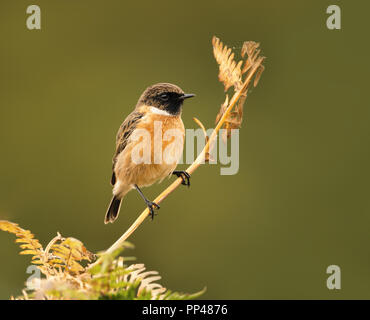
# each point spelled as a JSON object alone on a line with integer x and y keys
{"x": 151, "y": 205}
{"x": 184, "y": 176}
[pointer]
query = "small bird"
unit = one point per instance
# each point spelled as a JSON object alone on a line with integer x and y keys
{"x": 159, "y": 105}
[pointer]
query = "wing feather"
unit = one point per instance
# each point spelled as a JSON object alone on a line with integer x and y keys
{"x": 123, "y": 134}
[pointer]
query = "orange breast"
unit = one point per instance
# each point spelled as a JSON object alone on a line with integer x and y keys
{"x": 167, "y": 136}
{"x": 164, "y": 140}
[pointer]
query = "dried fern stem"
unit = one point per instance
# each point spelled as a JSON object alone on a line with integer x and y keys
{"x": 195, "y": 165}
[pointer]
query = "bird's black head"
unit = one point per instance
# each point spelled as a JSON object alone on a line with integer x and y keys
{"x": 164, "y": 96}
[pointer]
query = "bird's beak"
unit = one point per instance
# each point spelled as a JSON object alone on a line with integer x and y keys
{"x": 187, "y": 95}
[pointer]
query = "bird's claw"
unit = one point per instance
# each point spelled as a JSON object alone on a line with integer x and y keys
{"x": 151, "y": 206}
{"x": 184, "y": 176}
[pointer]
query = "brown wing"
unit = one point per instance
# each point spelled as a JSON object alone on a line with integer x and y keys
{"x": 124, "y": 132}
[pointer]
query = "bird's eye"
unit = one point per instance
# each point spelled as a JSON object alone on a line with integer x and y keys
{"x": 164, "y": 97}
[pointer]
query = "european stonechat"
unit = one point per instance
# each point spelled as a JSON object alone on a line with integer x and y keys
{"x": 149, "y": 144}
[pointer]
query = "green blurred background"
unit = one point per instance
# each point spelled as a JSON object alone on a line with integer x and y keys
{"x": 300, "y": 201}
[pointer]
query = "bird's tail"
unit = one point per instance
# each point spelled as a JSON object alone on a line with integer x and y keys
{"x": 113, "y": 210}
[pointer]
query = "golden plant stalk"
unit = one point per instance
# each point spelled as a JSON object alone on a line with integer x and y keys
{"x": 231, "y": 76}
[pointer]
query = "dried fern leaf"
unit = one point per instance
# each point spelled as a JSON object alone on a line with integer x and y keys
{"x": 67, "y": 254}
{"x": 29, "y": 244}
{"x": 250, "y": 48}
{"x": 258, "y": 75}
{"x": 230, "y": 73}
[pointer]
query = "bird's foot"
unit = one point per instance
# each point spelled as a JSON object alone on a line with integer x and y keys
{"x": 184, "y": 176}
{"x": 151, "y": 206}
